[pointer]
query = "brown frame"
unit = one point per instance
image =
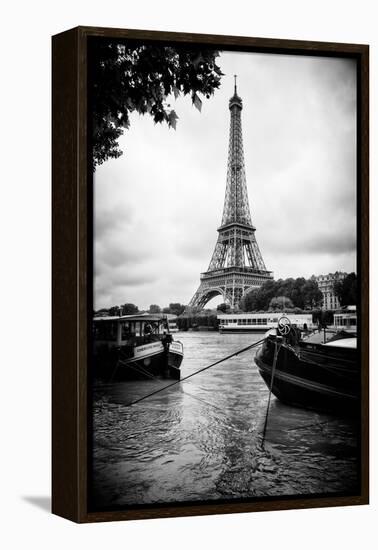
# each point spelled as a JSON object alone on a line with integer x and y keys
{"x": 70, "y": 199}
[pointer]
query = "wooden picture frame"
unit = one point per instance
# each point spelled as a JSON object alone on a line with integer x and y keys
{"x": 72, "y": 280}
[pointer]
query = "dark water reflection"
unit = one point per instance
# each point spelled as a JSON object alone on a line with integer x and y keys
{"x": 201, "y": 440}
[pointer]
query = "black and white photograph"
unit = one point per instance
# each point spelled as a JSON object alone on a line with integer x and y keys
{"x": 225, "y": 346}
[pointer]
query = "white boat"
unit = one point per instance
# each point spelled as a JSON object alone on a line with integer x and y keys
{"x": 261, "y": 322}
{"x": 172, "y": 327}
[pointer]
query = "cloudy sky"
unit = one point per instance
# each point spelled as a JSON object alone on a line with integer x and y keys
{"x": 158, "y": 206}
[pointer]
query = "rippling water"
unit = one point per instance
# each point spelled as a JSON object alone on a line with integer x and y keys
{"x": 201, "y": 440}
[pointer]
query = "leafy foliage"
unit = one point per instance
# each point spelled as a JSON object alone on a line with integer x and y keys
{"x": 130, "y": 76}
{"x": 302, "y": 293}
{"x": 176, "y": 308}
{"x": 223, "y": 307}
{"x": 206, "y": 318}
{"x": 154, "y": 308}
{"x": 347, "y": 290}
{"x": 129, "y": 309}
{"x": 125, "y": 309}
{"x": 280, "y": 303}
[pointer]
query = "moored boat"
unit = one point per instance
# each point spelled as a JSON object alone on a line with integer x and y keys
{"x": 312, "y": 372}
{"x": 172, "y": 325}
{"x": 135, "y": 346}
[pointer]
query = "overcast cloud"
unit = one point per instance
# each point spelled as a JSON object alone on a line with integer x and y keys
{"x": 158, "y": 206}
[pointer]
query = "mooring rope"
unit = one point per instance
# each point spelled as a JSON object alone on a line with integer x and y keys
{"x": 195, "y": 373}
{"x": 276, "y": 350}
{"x": 137, "y": 368}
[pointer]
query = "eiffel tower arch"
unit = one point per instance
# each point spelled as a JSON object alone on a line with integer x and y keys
{"x": 236, "y": 266}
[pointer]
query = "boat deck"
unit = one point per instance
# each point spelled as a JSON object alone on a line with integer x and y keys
{"x": 317, "y": 338}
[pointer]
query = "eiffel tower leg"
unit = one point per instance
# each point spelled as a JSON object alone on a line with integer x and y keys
{"x": 204, "y": 294}
{"x": 198, "y": 298}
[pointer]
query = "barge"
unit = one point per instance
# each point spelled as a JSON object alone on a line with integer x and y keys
{"x": 315, "y": 372}
{"x": 135, "y": 347}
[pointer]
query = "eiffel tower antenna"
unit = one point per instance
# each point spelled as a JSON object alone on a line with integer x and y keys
{"x": 236, "y": 266}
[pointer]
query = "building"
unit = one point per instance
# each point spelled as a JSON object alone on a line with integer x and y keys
{"x": 326, "y": 287}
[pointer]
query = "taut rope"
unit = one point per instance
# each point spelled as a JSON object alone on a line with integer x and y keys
{"x": 197, "y": 372}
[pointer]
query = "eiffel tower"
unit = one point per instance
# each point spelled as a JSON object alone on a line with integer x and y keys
{"x": 236, "y": 266}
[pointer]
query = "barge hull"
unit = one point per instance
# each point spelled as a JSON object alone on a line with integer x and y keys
{"x": 324, "y": 386}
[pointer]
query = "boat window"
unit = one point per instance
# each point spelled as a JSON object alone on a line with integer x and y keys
{"x": 125, "y": 331}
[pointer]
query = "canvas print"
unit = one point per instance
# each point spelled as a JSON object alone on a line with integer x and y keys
{"x": 225, "y": 355}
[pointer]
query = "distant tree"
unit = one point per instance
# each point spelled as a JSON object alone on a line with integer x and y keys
{"x": 102, "y": 311}
{"x": 251, "y": 301}
{"x": 115, "y": 310}
{"x": 294, "y": 290}
{"x": 136, "y": 77}
{"x": 303, "y": 294}
{"x": 190, "y": 310}
{"x": 129, "y": 309}
{"x": 176, "y": 308}
{"x": 259, "y": 298}
{"x": 183, "y": 323}
{"x": 155, "y": 308}
{"x": 280, "y": 303}
{"x": 312, "y": 296}
{"x": 347, "y": 290}
{"x": 223, "y": 307}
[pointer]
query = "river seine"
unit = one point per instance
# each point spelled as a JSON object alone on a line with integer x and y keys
{"x": 201, "y": 439}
